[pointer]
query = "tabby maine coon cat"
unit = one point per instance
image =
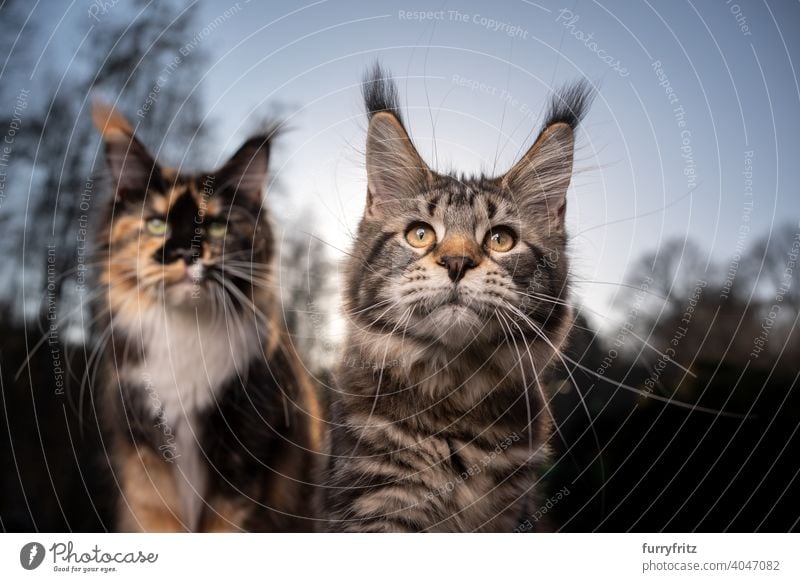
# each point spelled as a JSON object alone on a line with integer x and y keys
{"x": 456, "y": 294}
{"x": 214, "y": 424}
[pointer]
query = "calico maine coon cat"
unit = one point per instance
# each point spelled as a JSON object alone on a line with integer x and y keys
{"x": 457, "y": 301}
{"x": 213, "y": 423}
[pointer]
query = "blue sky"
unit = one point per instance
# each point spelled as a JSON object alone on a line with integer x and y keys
{"x": 475, "y": 76}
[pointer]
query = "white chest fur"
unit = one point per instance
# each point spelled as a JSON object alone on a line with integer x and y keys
{"x": 188, "y": 358}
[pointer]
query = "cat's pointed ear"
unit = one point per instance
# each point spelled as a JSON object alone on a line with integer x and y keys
{"x": 395, "y": 171}
{"x": 243, "y": 177}
{"x": 543, "y": 174}
{"x": 133, "y": 170}
{"x": 541, "y": 178}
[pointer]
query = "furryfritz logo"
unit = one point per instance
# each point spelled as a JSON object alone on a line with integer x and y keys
{"x": 31, "y": 555}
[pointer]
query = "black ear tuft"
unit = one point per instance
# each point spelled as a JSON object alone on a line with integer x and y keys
{"x": 570, "y": 104}
{"x": 380, "y": 92}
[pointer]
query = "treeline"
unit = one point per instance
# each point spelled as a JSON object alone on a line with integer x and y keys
{"x": 719, "y": 340}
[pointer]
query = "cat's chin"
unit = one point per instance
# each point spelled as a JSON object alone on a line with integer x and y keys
{"x": 454, "y": 325}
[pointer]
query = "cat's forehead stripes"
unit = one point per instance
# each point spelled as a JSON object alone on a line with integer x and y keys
{"x": 181, "y": 187}
{"x": 467, "y": 204}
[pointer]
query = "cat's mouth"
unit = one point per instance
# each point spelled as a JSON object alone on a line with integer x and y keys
{"x": 452, "y": 319}
{"x": 457, "y": 305}
{"x": 458, "y": 298}
{"x": 186, "y": 285}
{"x": 194, "y": 274}
{"x": 454, "y": 301}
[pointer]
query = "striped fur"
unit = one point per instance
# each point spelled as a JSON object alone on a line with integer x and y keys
{"x": 439, "y": 414}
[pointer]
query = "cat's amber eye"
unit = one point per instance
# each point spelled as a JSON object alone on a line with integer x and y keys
{"x": 500, "y": 239}
{"x": 217, "y": 229}
{"x": 157, "y": 227}
{"x": 420, "y": 235}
